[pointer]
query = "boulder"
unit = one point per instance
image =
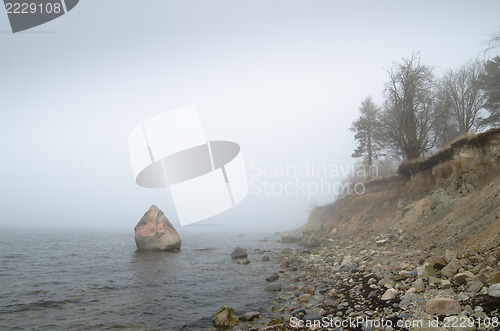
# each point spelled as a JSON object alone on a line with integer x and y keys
{"x": 434, "y": 281}
{"x": 389, "y": 294}
{"x": 239, "y": 253}
{"x": 273, "y": 277}
{"x": 347, "y": 264}
{"x": 297, "y": 311}
{"x": 443, "y": 306}
{"x": 425, "y": 271}
{"x": 475, "y": 286}
{"x": 273, "y": 287}
{"x": 495, "y": 278}
{"x": 154, "y": 232}
{"x": 445, "y": 284}
{"x": 484, "y": 278}
{"x": 225, "y": 317}
{"x": 463, "y": 277}
{"x": 451, "y": 268}
{"x": 407, "y": 298}
{"x": 419, "y": 285}
{"x": 437, "y": 262}
{"x": 250, "y": 316}
{"x": 244, "y": 261}
{"x": 494, "y": 290}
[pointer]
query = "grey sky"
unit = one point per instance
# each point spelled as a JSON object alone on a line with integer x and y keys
{"x": 284, "y": 79}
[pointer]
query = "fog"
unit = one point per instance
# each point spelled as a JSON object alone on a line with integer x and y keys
{"x": 283, "y": 79}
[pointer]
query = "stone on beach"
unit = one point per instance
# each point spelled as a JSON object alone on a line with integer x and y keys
{"x": 451, "y": 268}
{"x": 389, "y": 294}
{"x": 443, "y": 306}
{"x": 462, "y": 277}
{"x": 244, "y": 261}
{"x": 425, "y": 271}
{"x": 155, "y": 232}
{"x": 445, "y": 284}
{"x": 272, "y": 277}
{"x": 250, "y": 316}
{"x": 225, "y": 317}
{"x": 494, "y": 290}
{"x": 274, "y": 287}
{"x": 436, "y": 262}
{"x": 297, "y": 311}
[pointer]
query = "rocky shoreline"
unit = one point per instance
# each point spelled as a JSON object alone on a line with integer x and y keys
{"x": 359, "y": 286}
{"x": 418, "y": 249}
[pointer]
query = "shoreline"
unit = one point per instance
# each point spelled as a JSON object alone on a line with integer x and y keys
{"x": 351, "y": 286}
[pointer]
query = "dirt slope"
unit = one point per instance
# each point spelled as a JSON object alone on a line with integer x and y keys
{"x": 450, "y": 200}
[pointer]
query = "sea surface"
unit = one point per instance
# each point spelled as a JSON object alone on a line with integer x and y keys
{"x": 83, "y": 279}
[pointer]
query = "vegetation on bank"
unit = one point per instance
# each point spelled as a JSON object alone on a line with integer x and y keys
{"x": 421, "y": 113}
{"x": 410, "y": 167}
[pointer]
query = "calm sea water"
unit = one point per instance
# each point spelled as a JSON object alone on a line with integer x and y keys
{"x": 96, "y": 280}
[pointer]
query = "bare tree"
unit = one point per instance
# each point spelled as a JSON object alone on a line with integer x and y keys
{"x": 466, "y": 98}
{"x": 445, "y": 127}
{"x": 366, "y": 128}
{"x": 492, "y": 44}
{"x": 407, "y": 118}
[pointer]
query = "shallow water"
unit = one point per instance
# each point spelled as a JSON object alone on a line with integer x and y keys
{"x": 95, "y": 280}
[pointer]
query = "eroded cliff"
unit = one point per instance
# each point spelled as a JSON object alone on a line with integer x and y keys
{"x": 450, "y": 200}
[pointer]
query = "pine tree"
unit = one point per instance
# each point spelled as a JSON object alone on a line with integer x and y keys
{"x": 490, "y": 83}
{"x": 365, "y": 128}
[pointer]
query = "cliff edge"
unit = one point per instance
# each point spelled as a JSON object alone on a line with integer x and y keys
{"x": 450, "y": 200}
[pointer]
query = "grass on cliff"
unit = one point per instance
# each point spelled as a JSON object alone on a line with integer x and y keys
{"x": 411, "y": 167}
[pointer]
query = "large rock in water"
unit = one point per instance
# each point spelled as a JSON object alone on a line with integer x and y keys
{"x": 155, "y": 232}
{"x": 239, "y": 253}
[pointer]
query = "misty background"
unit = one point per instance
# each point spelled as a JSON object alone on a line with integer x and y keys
{"x": 284, "y": 79}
